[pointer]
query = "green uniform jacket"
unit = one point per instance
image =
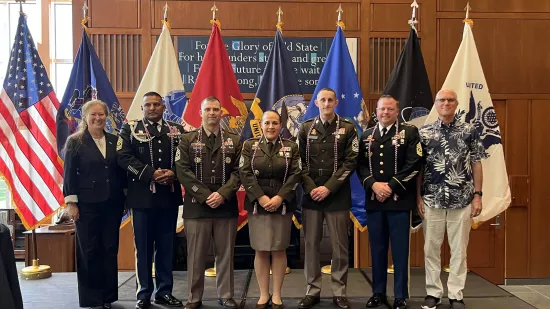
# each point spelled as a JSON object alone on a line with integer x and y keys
{"x": 200, "y": 170}
{"x": 320, "y": 171}
{"x": 268, "y": 171}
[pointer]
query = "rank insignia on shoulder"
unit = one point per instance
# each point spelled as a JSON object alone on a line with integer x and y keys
{"x": 419, "y": 149}
{"x": 119, "y": 143}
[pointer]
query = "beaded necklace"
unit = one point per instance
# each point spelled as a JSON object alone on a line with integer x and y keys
{"x": 395, "y": 142}
{"x": 150, "y": 138}
{"x": 283, "y": 212}
{"x": 336, "y": 137}
{"x": 198, "y": 155}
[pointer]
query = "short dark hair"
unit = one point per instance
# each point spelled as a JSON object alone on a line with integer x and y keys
{"x": 211, "y": 99}
{"x": 272, "y": 111}
{"x": 329, "y": 89}
{"x": 152, "y": 94}
{"x": 388, "y": 96}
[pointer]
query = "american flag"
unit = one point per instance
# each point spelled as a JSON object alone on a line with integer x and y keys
{"x": 29, "y": 160}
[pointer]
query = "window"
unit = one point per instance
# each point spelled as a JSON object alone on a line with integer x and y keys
{"x": 59, "y": 33}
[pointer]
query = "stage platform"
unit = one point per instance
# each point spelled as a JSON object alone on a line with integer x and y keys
{"x": 60, "y": 291}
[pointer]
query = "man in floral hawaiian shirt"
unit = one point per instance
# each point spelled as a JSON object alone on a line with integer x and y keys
{"x": 449, "y": 196}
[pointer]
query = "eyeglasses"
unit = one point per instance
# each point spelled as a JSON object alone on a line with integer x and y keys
{"x": 442, "y": 100}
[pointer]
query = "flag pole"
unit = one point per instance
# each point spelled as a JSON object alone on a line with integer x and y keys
{"x": 35, "y": 271}
{"x": 211, "y": 272}
{"x": 327, "y": 269}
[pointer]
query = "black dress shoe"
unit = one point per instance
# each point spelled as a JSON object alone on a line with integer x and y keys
{"x": 143, "y": 304}
{"x": 341, "y": 302}
{"x": 399, "y": 303}
{"x": 168, "y": 300}
{"x": 196, "y": 305}
{"x": 107, "y": 306}
{"x": 309, "y": 301}
{"x": 228, "y": 303}
{"x": 376, "y": 300}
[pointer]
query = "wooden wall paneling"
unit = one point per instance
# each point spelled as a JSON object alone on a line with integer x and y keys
{"x": 539, "y": 212}
{"x": 493, "y": 6}
{"x": 428, "y": 37}
{"x": 114, "y": 14}
{"x": 146, "y": 50}
{"x": 501, "y": 44}
{"x": 257, "y": 15}
{"x": 384, "y": 54}
{"x": 517, "y": 164}
{"x": 392, "y": 17}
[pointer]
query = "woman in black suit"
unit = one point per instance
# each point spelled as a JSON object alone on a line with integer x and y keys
{"x": 94, "y": 193}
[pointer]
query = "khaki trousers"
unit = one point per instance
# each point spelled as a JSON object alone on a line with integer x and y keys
{"x": 338, "y": 224}
{"x": 457, "y": 223}
{"x": 199, "y": 233}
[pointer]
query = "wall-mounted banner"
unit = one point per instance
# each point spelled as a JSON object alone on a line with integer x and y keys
{"x": 248, "y": 56}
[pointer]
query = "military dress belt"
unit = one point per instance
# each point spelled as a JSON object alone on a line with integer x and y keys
{"x": 213, "y": 180}
{"x": 269, "y": 182}
{"x": 321, "y": 172}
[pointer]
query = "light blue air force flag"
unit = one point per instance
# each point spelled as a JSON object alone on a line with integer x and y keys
{"x": 339, "y": 74}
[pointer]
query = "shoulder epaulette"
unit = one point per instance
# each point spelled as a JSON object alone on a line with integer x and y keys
{"x": 346, "y": 120}
{"x": 309, "y": 120}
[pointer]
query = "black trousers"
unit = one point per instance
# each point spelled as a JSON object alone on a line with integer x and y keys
{"x": 97, "y": 236}
{"x": 154, "y": 233}
{"x": 10, "y": 292}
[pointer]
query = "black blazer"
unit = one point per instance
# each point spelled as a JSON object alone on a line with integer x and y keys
{"x": 90, "y": 176}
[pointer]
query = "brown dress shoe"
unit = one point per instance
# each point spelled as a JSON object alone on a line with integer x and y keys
{"x": 309, "y": 301}
{"x": 341, "y": 302}
{"x": 228, "y": 303}
{"x": 196, "y": 305}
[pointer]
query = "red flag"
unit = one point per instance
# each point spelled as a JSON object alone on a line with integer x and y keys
{"x": 216, "y": 78}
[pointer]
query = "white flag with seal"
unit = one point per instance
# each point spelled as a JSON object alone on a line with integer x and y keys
{"x": 163, "y": 77}
{"x": 466, "y": 78}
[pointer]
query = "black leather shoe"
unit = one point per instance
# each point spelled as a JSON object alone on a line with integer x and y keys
{"x": 399, "y": 303}
{"x": 168, "y": 300}
{"x": 196, "y": 305}
{"x": 376, "y": 300}
{"x": 107, "y": 306}
{"x": 309, "y": 301}
{"x": 228, "y": 303}
{"x": 143, "y": 304}
{"x": 341, "y": 302}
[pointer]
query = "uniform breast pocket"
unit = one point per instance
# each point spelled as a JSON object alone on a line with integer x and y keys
{"x": 314, "y": 148}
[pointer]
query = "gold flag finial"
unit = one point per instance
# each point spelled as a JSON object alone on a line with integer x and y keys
{"x": 279, "y": 21}
{"x": 340, "y": 22}
{"x": 467, "y": 20}
{"x": 214, "y": 20}
{"x": 214, "y": 9}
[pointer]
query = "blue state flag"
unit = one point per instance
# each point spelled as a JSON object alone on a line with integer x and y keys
{"x": 339, "y": 74}
{"x": 279, "y": 90}
{"x": 88, "y": 81}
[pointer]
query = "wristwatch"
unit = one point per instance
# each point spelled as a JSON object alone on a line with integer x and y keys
{"x": 480, "y": 193}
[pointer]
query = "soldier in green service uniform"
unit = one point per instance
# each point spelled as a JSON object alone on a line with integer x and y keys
{"x": 207, "y": 166}
{"x": 270, "y": 170}
{"x": 328, "y": 149}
